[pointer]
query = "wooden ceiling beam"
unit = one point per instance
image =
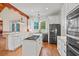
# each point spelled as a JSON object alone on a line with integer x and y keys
{"x": 1, "y": 6}
{"x": 15, "y": 9}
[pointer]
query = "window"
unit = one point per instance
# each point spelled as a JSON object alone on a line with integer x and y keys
{"x": 36, "y": 25}
{"x": 13, "y": 27}
{"x": 43, "y": 25}
{"x": 17, "y": 27}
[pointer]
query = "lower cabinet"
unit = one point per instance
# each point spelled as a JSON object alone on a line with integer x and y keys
{"x": 31, "y": 47}
{"x": 14, "y": 41}
{"x": 61, "y": 45}
{"x": 11, "y": 41}
{"x": 45, "y": 37}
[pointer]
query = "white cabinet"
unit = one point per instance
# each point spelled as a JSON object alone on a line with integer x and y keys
{"x": 29, "y": 48}
{"x": 61, "y": 45}
{"x": 32, "y": 47}
{"x": 18, "y": 41}
{"x": 14, "y": 41}
{"x": 11, "y": 42}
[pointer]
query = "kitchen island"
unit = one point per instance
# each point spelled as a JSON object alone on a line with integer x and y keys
{"x": 32, "y": 45}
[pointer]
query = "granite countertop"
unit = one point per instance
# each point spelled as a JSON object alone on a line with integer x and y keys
{"x": 62, "y": 37}
{"x": 11, "y": 32}
{"x": 34, "y": 37}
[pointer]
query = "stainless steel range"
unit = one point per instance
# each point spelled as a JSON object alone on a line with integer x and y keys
{"x": 73, "y": 32}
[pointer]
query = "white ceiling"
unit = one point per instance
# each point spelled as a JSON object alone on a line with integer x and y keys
{"x": 44, "y": 9}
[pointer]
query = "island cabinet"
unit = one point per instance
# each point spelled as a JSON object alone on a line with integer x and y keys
{"x": 32, "y": 47}
{"x": 11, "y": 41}
{"x": 61, "y": 45}
{"x": 14, "y": 41}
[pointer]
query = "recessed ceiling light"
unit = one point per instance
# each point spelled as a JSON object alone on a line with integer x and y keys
{"x": 46, "y": 8}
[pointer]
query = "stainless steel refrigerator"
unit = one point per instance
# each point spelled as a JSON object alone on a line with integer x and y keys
{"x": 54, "y": 31}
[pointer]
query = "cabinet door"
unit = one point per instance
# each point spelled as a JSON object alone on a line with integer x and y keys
{"x": 29, "y": 48}
{"x": 3, "y": 43}
{"x": 17, "y": 41}
{"x": 61, "y": 46}
{"x": 53, "y": 40}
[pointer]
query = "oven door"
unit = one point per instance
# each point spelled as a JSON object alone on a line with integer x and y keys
{"x": 73, "y": 27}
{"x": 73, "y": 42}
{"x": 72, "y": 51}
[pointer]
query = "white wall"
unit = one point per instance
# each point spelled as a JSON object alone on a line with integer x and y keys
{"x": 23, "y": 26}
{"x": 55, "y": 19}
{"x": 66, "y": 8}
{"x": 31, "y": 24}
{"x": 4, "y": 15}
{"x": 9, "y": 15}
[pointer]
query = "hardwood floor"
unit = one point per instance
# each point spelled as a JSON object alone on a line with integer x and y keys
{"x": 47, "y": 50}
{"x": 17, "y": 52}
